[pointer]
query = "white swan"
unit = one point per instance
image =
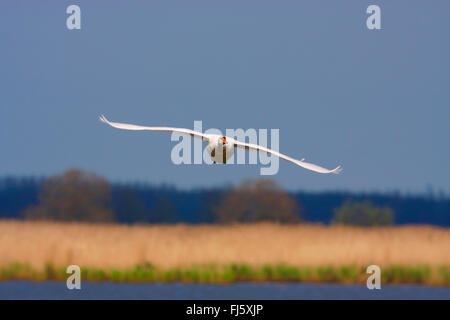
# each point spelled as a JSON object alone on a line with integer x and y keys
{"x": 221, "y": 148}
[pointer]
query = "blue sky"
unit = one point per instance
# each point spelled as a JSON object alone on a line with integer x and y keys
{"x": 376, "y": 102}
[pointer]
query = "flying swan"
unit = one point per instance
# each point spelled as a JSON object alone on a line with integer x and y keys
{"x": 221, "y": 148}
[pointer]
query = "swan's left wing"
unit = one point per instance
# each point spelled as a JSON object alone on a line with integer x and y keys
{"x": 301, "y": 163}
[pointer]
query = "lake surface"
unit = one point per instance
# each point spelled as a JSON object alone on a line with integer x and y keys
{"x": 285, "y": 291}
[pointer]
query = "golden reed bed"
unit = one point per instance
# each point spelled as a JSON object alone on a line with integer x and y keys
{"x": 118, "y": 246}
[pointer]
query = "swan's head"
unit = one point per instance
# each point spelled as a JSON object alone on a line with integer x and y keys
{"x": 223, "y": 140}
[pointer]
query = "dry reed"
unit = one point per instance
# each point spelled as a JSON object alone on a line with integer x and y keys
{"x": 38, "y": 244}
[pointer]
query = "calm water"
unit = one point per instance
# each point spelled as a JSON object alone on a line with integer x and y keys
{"x": 106, "y": 290}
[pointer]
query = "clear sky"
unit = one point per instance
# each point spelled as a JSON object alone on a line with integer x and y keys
{"x": 375, "y": 101}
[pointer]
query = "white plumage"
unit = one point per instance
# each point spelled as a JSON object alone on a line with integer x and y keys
{"x": 222, "y": 148}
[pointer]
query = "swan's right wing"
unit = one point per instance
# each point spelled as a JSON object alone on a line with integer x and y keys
{"x": 301, "y": 163}
{"x": 127, "y": 126}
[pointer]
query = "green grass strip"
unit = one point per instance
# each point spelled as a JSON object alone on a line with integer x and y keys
{"x": 147, "y": 273}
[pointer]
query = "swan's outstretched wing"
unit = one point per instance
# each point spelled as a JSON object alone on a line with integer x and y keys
{"x": 127, "y": 126}
{"x": 301, "y": 163}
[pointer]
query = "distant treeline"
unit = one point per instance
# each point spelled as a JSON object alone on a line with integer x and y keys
{"x": 144, "y": 203}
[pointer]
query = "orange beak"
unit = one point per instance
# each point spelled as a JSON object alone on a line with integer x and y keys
{"x": 224, "y": 140}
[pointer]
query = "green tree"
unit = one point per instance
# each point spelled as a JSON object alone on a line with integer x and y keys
{"x": 257, "y": 200}
{"x": 73, "y": 196}
{"x": 363, "y": 214}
